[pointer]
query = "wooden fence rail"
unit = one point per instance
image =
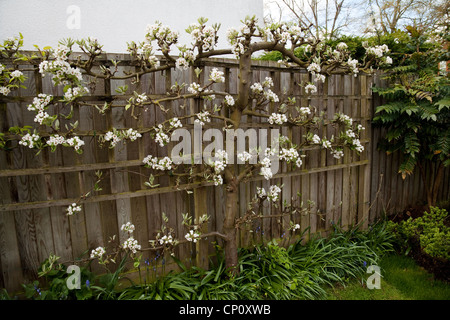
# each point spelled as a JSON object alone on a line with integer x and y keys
{"x": 36, "y": 189}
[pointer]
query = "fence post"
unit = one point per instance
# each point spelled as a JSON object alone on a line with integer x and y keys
{"x": 364, "y": 171}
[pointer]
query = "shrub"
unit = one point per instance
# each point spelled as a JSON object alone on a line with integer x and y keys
{"x": 428, "y": 231}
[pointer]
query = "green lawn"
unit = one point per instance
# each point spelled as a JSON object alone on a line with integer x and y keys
{"x": 402, "y": 279}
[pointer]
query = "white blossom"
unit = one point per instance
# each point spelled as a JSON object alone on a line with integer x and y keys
{"x": 158, "y": 164}
{"x": 310, "y": 88}
{"x": 257, "y": 88}
{"x": 195, "y": 88}
{"x": 304, "y": 111}
{"x": 218, "y": 180}
{"x": 338, "y": 153}
{"x": 41, "y": 116}
{"x": 175, "y": 123}
{"x": 271, "y": 96}
{"x": 166, "y": 240}
{"x": 98, "y": 253}
{"x": 315, "y": 139}
{"x": 4, "y": 90}
{"x": 128, "y": 227}
{"x": 314, "y": 68}
{"x": 192, "y": 236}
{"x": 237, "y": 49}
{"x": 131, "y": 244}
{"x": 216, "y": 76}
{"x": 112, "y": 137}
{"x": 261, "y": 192}
{"x": 244, "y": 156}
{"x": 319, "y": 78}
{"x": 274, "y": 193}
{"x": 268, "y": 82}
{"x": 55, "y": 140}
{"x": 75, "y": 142}
{"x": 29, "y": 140}
{"x": 277, "y": 118}
{"x": 229, "y": 100}
{"x": 16, "y": 74}
{"x": 182, "y": 63}
{"x": 326, "y": 144}
{"x": 202, "y": 118}
{"x": 357, "y": 144}
{"x": 73, "y": 208}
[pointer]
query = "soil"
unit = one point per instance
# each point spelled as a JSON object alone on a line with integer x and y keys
{"x": 438, "y": 267}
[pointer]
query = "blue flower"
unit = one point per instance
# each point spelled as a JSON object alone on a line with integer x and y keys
{"x": 88, "y": 284}
{"x": 365, "y": 263}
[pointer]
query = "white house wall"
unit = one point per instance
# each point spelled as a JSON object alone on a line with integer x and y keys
{"x": 115, "y": 22}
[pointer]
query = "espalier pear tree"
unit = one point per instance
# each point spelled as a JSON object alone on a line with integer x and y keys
{"x": 220, "y": 165}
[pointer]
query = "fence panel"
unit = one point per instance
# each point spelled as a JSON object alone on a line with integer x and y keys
{"x": 35, "y": 190}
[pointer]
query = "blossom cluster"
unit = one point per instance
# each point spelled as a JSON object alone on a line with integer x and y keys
{"x": 353, "y": 65}
{"x": 304, "y": 111}
{"x": 39, "y": 105}
{"x": 202, "y": 118}
{"x": 74, "y": 142}
{"x": 128, "y": 227}
{"x": 229, "y": 100}
{"x": 73, "y": 208}
{"x": 195, "y": 88}
{"x": 166, "y": 240}
{"x": 203, "y": 36}
{"x": 158, "y": 164}
{"x": 73, "y": 93}
{"x": 131, "y": 244}
{"x": 115, "y": 136}
{"x": 266, "y": 171}
{"x": 263, "y": 89}
{"x": 60, "y": 68}
{"x": 192, "y": 236}
{"x": 377, "y": 51}
{"x": 216, "y": 76}
{"x": 30, "y": 140}
{"x": 163, "y": 34}
{"x": 185, "y": 59}
{"x": 273, "y": 194}
{"x": 144, "y": 52}
{"x": 10, "y": 78}
{"x": 98, "y": 253}
{"x": 244, "y": 156}
{"x": 161, "y": 137}
{"x": 291, "y": 156}
{"x": 310, "y": 88}
{"x": 277, "y": 118}
{"x": 175, "y": 123}
{"x": 221, "y": 161}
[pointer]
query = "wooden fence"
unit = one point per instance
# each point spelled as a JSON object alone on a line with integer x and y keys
{"x": 35, "y": 190}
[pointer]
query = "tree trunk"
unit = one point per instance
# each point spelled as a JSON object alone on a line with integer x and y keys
{"x": 432, "y": 188}
{"x": 229, "y": 227}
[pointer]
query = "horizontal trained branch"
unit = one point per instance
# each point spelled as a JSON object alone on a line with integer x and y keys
{"x": 161, "y": 190}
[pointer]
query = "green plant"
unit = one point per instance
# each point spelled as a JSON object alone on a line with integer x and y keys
{"x": 416, "y": 112}
{"x": 429, "y": 231}
{"x": 53, "y": 283}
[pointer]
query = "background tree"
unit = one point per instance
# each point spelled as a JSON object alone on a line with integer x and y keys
{"x": 417, "y": 109}
{"x": 326, "y": 18}
{"x": 391, "y": 15}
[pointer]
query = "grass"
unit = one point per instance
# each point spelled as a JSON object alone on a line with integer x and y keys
{"x": 402, "y": 279}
